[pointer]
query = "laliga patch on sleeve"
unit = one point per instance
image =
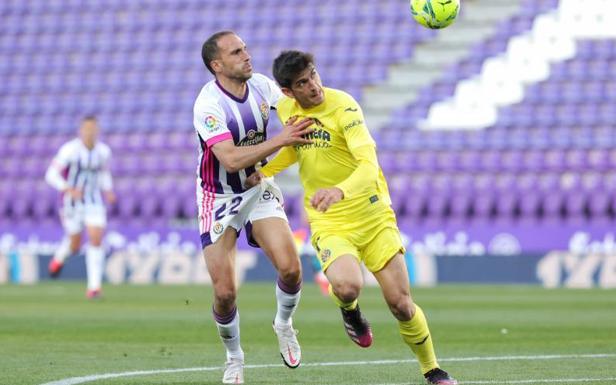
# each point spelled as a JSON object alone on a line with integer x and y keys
{"x": 211, "y": 124}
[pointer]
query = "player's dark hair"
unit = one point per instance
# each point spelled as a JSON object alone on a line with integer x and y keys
{"x": 289, "y": 64}
{"x": 209, "y": 50}
{"x": 88, "y": 118}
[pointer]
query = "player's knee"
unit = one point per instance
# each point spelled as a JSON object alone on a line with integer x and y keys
{"x": 291, "y": 276}
{"x": 225, "y": 297}
{"x": 74, "y": 244}
{"x": 74, "y": 249}
{"x": 290, "y": 272}
{"x": 402, "y": 308}
{"x": 347, "y": 291}
{"x": 96, "y": 242}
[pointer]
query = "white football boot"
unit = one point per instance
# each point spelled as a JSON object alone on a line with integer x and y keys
{"x": 290, "y": 351}
{"x": 234, "y": 371}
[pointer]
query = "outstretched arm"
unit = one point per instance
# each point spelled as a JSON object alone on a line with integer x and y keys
{"x": 53, "y": 176}
{"x": 283, "y": 159}
{"x": 235, "y": 158}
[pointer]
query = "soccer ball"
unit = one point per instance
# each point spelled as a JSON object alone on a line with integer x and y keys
{"x": 435, "y": 14}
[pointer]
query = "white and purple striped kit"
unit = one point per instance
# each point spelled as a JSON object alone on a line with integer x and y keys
{"x": 76, "y": 166}
{"x": 220, "y": 116}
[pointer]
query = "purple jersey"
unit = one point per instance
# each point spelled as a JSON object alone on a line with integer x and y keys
{"x": 220, "y": 116}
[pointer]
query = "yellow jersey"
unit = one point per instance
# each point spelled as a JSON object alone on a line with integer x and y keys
{"x": 340, "y": 138}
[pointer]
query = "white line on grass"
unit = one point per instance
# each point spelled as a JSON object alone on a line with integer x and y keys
{"x": 96, "y": 377}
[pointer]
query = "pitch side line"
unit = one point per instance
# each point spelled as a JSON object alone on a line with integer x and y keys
{"x": 104, "y": 376}
{"x": 544, "y": 381}
{"x": 538, "y": 381}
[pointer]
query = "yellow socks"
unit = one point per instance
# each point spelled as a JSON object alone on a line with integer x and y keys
{"x": 343, "y": 305}
{"x": 417, "y": 336}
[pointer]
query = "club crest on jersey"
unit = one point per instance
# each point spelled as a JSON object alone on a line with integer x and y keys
{"x": 211, "y": 124}
{"x": 251, "y": 134}
{"x": 264, "y": 110}
{"x": 218, "y": 227}
{"x": 325, "y": 255}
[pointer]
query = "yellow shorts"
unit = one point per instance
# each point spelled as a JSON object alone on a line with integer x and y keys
{"x": 374, "y": 242}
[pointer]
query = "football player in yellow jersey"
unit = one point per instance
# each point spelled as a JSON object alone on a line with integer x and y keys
{"x": 348, "y": 206}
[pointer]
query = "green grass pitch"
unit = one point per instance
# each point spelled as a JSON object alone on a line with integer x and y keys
{"x": 483, "y": 335}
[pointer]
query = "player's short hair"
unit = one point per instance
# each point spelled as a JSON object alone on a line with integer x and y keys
{"x": 88, "y": 117}
{"x": 289, "y": 64}
{"x": 209, "y": 50}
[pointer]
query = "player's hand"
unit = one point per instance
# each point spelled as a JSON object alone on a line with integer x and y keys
{"x": 325, "y": 197}
{"x": 254, "y": 179}
{"x": 294, "y": 130}
{"x": 74, "y": 193}
{"x": 110, "y": 197}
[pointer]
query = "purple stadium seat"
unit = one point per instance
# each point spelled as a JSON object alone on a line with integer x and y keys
{"x": 553, "y": 205}
{"x": 598, "y": 160}
{"x": 483, "y": 205}
{"x": 575, "y": 204}
{"x": 554, "y": 160}
{"x": 127, "y": 206}
{"x": 149, "y": 206}
{"x": 599, "y": 204}
{"x": 189, "y": 208}
{"x": 506, "y": 204}
{"x": 530, "y": 204}
{"x": 548, "y": 183}
{"x": 446, "y": 161}
{"x": 460, "y": 205}
{"x": 468, "y": 160}
{"x": 412, "y": 206}
{"x": 511, "y": 161}
{"x": 170, "y": 206}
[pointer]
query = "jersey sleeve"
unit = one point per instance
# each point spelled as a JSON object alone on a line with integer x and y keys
{"x": 210, "y": 123}
{"x": 366, "y": 173}
{"x": 53, "y": 176}
{"x": 283, "y": 159}
{"x": 351, "y": 121}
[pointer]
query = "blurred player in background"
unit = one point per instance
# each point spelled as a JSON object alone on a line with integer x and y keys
{"x": 230, "y": 117}
{"x": 80, "y": 171}
{"x": 348, "y": 206}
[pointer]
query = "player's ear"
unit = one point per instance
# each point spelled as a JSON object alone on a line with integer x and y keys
{"x": 216, "y": 65}
{"x": 287, "y": 92}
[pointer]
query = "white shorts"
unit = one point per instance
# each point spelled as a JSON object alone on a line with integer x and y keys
{"x": 219, "y": 211}
{"x": 75, "y": 218}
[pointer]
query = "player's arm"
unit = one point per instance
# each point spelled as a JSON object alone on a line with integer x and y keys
{"x": 106, "y": 181}
{"x": 283, "y": 159}
{"x": 361, "y": 145}
{"x": 286, "y": 156}
{"x": 366, "y": 173}
{"x": 209, "y": 121}
{"x": 235, "y": 158}
{"x": 54, "y": 177}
